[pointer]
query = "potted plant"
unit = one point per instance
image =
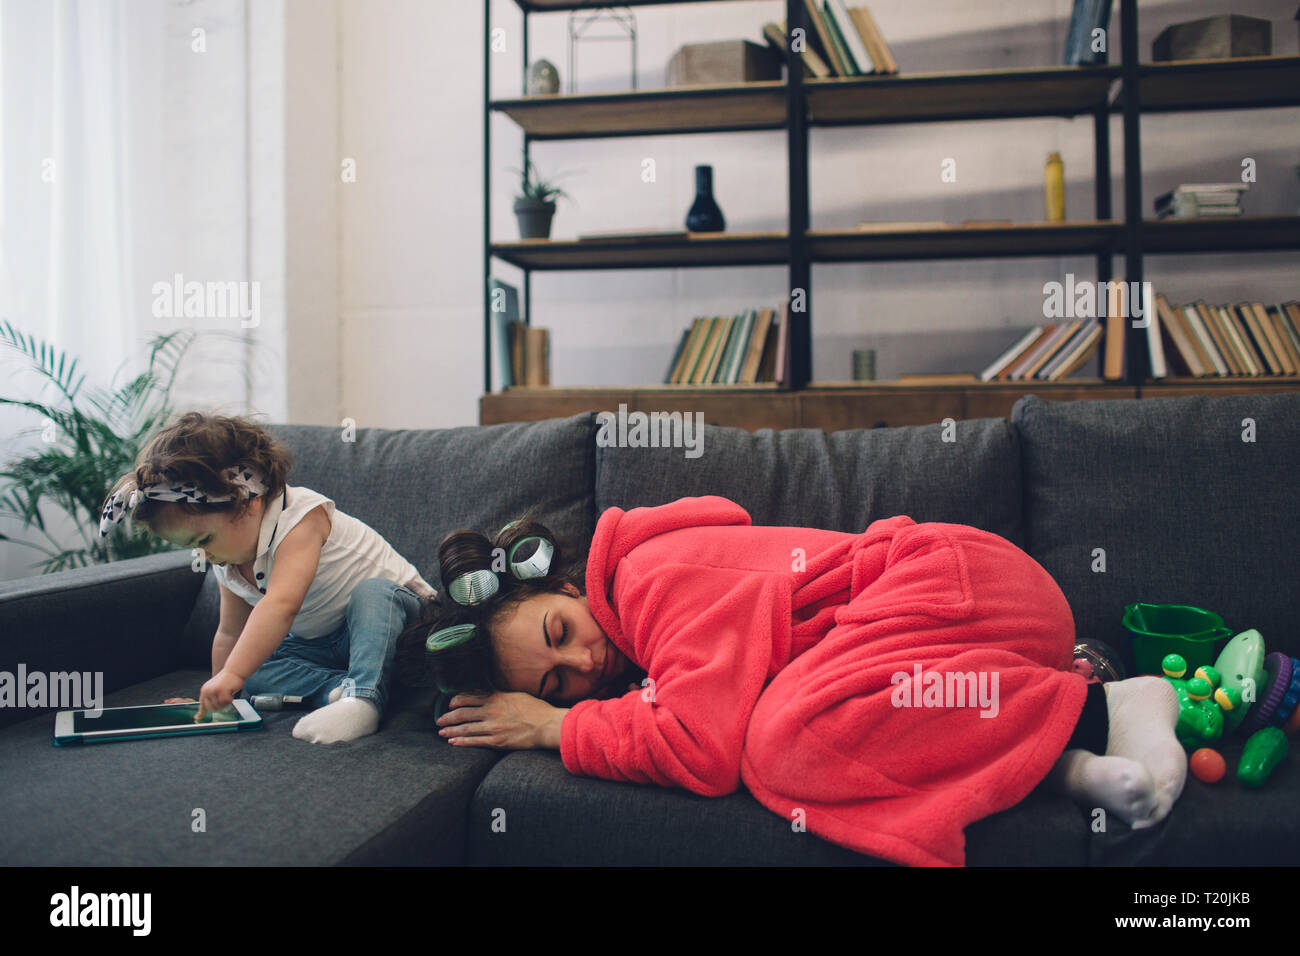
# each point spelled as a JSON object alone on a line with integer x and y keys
{"x": 90, "y": 436}
{"x": 535, "y": 206}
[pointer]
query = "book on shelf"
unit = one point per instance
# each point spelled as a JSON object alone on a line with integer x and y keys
{"x": 1245, "y": 340}
{"x": 813, "y": 64}
{"x": 726, "y": 350}
{"x": 1087, "y": 17}
{"x": 505, "y": 312}
{"x": 523, "y": 352}
{"x": 1201, "y": 199}
{"x": 1046, "y": 353}
{"x": 847, "y": 40}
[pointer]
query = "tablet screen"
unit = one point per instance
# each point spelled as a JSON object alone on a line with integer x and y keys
{"x": 139, "y": 718}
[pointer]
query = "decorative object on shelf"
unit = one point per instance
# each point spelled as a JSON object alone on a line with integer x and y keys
{"x": 1081, "y": 42}
{"x": 1214, "y": 38}
{"x": 535, "y": 207}
{"x": 864, "y": 365}
{"x": 582, "y": 22}
{"x": 704, "y": 215}
{"x": 1054, "y": 187}
{"x": 505, "y": 313}
{"x": 722, "y": 62}
{"x": 543, "y": 78}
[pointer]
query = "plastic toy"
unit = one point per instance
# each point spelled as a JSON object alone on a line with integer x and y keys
{"x": 1161, "y": 629}
{"x": 1208, "y": 765}
{"x": 1272, "y": 691}
{"x": 1264, "y": 751}
{"x": 1241, "y": 667}
{"x": 1200, "y": 719}
{"x": 1098, "y": 662}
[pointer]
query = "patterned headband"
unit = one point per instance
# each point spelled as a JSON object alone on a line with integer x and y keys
{"x": 128, "y": 496}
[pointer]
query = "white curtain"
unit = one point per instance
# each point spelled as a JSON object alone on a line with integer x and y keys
{"x": 123, "y": 160}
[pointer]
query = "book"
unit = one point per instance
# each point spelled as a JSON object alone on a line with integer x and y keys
{"x": 781, "y": 369}
{"x": 1113, "y": 360}
{"x": 851, "y": 67}
{"x": 723, "y": 363}
{"x": 695, "y": 350}
{"x": 676, "y": 360}
{"x": 813, "y": 65}
{"x": 1073, "y": 353}
{"x": 754, "y": 352}
{"x": 508, "y": 297}
{"x": 537, "y": 356}
{"x": 820, "y": 29}
{"x": 704, "y": 370}
{"x": 1086, "y": 16}
{"x": 848, "y": 33}
{"x": 1040, "y": 335}
{"x": 1007, "y": 357}
{"x": 874, "y": 39}
{"x": 1279, "y": 352}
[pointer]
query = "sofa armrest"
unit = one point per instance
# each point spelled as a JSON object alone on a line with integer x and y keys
{"x": 129, "y": 620}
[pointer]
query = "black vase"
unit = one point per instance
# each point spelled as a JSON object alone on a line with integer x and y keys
{"x": 705, "y": 216}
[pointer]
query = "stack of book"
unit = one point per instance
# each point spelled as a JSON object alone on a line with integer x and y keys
{"x": 843, "y": 41}
{"x": 1046, "y": 353}
{"x": 523, "y": 352}
{"x": 1201, "y": 199}
{"x": 732, "y": 350}
{"x": 1248, "y": 339}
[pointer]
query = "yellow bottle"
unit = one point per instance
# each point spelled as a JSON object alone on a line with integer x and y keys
{"x": 1054, "y": 188}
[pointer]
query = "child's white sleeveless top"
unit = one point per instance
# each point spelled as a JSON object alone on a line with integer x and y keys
{"x": 353, "y": 552}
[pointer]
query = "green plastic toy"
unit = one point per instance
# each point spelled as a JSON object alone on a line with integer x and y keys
{"x": 1241, "y": 666}
{"x": 1200, "y": 719}
{"x": 1263, "y": 752}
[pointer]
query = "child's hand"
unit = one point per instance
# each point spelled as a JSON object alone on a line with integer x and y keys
{"x": 507, "y": 720}
{"x": 217, "y": 693}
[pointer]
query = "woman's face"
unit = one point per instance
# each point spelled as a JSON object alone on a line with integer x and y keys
{"x": 550, "y": 646}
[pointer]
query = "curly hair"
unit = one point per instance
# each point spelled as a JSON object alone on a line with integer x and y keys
{"x": 197, "y": 448}
{"x": 472, "y": 666}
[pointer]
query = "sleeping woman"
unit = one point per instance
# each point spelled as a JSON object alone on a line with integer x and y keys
{"x": 895, "y": 685}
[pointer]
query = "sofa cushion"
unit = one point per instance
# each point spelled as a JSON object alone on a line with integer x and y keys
{"x": 1184, "y": 509}
{"x": 414, "y": 486}
{"x": 395, "y": 797}
{"x": 554, "y": 818}
{"x": 841, "y": 481}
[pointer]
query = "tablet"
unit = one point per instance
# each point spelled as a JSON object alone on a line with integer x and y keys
{"x": 150, "y": 720}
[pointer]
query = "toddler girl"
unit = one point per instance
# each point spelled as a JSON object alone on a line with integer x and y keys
{"x": 312, "y": 599}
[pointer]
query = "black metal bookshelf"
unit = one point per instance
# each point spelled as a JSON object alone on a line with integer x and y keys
{"x": 797, "y": 103}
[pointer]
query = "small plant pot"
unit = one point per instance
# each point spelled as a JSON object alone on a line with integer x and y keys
{"x": 534, "y": 218}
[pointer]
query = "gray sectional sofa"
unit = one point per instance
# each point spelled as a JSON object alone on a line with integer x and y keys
{"x": 1184, "y": 509}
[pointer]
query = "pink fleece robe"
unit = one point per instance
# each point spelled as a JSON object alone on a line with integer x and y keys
{"x": 785, "y": 658}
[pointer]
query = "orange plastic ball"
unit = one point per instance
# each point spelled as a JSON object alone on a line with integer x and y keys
{"x": 1208, "y": 765}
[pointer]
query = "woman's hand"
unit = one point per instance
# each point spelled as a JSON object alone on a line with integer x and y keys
{"x": 217, "y": 693}
{"x": 508, "y": 720}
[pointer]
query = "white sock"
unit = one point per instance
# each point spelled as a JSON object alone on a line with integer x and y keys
{"x": 346, "y": 719}
{"x": 1143, "y": 715}
{"x": 1144, "y": 768}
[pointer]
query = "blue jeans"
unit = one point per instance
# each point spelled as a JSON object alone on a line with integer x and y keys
{"x": 358, "y": 656}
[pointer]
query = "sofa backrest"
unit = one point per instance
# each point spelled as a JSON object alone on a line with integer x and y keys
{"x": 1189, "y": 500}
{"x": 965, "y": 473}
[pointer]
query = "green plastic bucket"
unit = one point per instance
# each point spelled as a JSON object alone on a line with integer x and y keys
{"x": 1160, "y": 629}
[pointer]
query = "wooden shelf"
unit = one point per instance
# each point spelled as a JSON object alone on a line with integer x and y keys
{"x": 1233, "y": 83}
{"x": 971, "y": 95}
{"x": 694, "y": 249}
{"x": 678, "y": 109}
{"x": 1229, "y": 234}
{"x": 833, "y": 406}
{"x": 966, "y": 242}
